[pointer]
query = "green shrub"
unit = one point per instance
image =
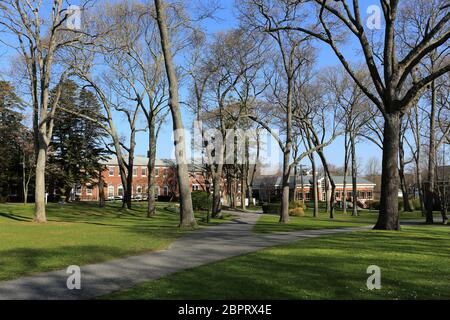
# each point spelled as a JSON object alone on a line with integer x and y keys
{"x": 173, "y": 208}
{"x": 274, "y": 208}
{"x": 374, "y": 205}
{"x": 296, "y": 204}
{"x": 400, "y": 205}
{"x": 200, "y": 200}
{"x": 415, "y": 203}
{"x": 297, "y": 212}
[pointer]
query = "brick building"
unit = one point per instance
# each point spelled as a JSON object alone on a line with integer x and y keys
{"x": 267, "y": 188}
{"x": 165, "y": 181}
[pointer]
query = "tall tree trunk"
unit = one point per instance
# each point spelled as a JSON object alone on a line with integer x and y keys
{"x": 328, "y": 181}
{"x": 417, "y": 159}
{"x": 429, "y": 198}
{"x": 187, "y": 218}
{"x": 388, "y": 218}
{"x": 333, "y": 197}
{"x": 101, "y": 189}
{"x": 284, "y": 214}
{"x": 39, "y": 192}
{"x": 24, "y": 181}
{"x": 313, "y": 190}
{"x": 327, "y": 190}
{"x": 344, "y": 196}
{"x": 129, "y": 188}
{"x": 243, "y": 189}
{"x": 354, "y": 177}
{"x": 217, "y": 205}
{"x": 420, "y": 187}
{"x": 151, "y": 207}
{"x": 401, "y": 173}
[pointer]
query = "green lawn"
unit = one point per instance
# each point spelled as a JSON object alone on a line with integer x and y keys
{"x": 268, "y": 223}
{"x": 414, "y": 262}
{"x": 80, "y": 234}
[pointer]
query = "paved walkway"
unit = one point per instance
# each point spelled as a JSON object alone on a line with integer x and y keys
{"x": 200, "y": 247}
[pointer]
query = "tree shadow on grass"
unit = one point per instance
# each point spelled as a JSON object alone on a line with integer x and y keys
{"x": 15, "y": 217}
{"x": 19, "y": 262}
{"x": 330, "y": 267}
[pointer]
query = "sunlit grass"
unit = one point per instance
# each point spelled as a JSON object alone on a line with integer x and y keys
{"x": 80, "y": 234}
{"x": 414, "y": 262}
{"x": 268, "y": 223}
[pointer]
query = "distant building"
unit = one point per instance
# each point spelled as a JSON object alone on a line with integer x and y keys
{"x": 165, "y": 184}
{"x": 267, "y": 188}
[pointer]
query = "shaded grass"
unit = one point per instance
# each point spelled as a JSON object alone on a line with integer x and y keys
{"x": 414, "y": 262}
{"x": 80, "y": 234}
{"x": 268, "y": 223}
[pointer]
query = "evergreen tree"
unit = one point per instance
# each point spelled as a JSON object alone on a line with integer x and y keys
{"x": 76, "y": 148}
{"x": 10, "y": 148}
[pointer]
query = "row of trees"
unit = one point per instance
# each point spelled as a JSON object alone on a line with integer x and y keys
{"x": 260, "y": 76}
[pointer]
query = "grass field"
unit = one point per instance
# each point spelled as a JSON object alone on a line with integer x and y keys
{"x": 268, "y": 223}
{"x": 80, "y": 234}
{"x": 414, "y": 262}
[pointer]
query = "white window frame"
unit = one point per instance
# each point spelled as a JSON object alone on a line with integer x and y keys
{"x": 157, "y": 191}
{"x": 113, "y": 171}
{"x": 111, "y": 194}
{"x": 89, "y": 190}
{"x": 135, "y": 171}
{"x": 166, "y": 191}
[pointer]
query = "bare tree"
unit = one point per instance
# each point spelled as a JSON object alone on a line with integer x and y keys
{"x": 291, "y": 52}
{"x": 416, "y": 119}
{"x": 187, "y": 218}
{"x": 390, "y": 72}
{"x": 133, "y": 54}
{"x": 39, "y": 37}
{"x": 318, "y": 120}
{"x": 354, "y": 111}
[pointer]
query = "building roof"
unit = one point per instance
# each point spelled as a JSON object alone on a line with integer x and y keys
{"x": 140, "y": 161}
{"x": 359, "y": 180}
{"x": 276, "y": 181}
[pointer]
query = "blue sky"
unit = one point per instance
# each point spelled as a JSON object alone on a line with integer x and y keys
{"x": 226, "y": 20}
{"x": 334, "y": 152}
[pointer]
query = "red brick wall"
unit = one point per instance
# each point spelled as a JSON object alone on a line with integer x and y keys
{"x": 165, "y": 177}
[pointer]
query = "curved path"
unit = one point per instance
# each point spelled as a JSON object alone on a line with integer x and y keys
{"x": 197, "y": 248}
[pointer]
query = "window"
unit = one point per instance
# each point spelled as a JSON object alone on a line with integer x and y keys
{"x": 144, "y": 172}
{"x": 111, "y": 192}
{"x": 195, "y": 187}
{"x": 369, "y": 195}
{"x": 120, "y": 191}
{"x": 78, "y": 191}
{"x": 111, "y": 171}
{"x": 166, "y": 191}
{"x": 89, "y": 190}
{"x": 338, "y": 194}
{"x": 139, "y": 190}
{"x": 165, "y": 173}
{"x": 156, "y": 172}
{"x": 135, "y": 172}
{"x": 156, "y": 191}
